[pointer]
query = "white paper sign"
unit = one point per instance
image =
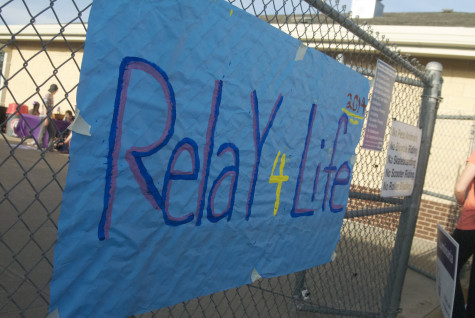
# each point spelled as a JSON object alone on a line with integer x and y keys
{"x": 401, "y": 163}
{"x": 379, "y": 107}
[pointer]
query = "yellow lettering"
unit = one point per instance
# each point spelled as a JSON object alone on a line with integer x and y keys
{"x": 278, "y": 179}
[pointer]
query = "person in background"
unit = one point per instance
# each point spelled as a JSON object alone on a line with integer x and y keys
{"x": 63, "y": 146}
{"x": 464, "y": 234}
{"x": 68, "y": 116}
{"x": 36, "y": 109}
{"x": 48, "y": 122}
{"x": 64, "y": 141}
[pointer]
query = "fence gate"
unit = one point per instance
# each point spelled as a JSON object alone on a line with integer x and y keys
{"x": 42, "y": 43}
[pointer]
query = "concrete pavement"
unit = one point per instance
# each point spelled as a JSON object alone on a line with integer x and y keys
{"x": 419, "y": 297}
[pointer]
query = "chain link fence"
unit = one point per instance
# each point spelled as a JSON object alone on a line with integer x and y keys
{"x": 453, "y": 143}
{"x": 42, "y": 43}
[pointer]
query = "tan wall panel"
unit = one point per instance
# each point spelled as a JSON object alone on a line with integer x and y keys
{"x": 32, "y": 70}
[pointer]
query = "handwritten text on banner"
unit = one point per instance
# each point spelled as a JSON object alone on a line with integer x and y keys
{"x": 213, "y": 154}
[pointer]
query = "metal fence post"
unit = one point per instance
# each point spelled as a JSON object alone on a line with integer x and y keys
{"x": 408, "y": 219}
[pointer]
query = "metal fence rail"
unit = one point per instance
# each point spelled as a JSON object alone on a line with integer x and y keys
{"x": 365, "y": 277}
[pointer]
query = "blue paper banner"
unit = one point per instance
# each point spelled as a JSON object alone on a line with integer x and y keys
{"x": 219, "y": 147}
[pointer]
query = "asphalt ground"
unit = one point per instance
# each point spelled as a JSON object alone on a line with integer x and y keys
{"x": 31, "y": 185}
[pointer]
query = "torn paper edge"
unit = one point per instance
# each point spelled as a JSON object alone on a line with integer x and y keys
{"x": 80, "y": 126}
{"x": 53, "y": 314}
{"x": 255, "y": 275}
{"x": 301, "y": 52}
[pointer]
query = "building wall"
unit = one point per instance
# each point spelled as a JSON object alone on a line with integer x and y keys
{"x": 31, "y": 70}
{"x": 452, "y": 144}
{"x": 453, "y": 139}
{"x": 459, "y": 87}
{"x": 432, "y": 212}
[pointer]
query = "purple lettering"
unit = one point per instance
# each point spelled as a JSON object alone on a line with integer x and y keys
{"x": 160, "y": 200}
{"x": 208, "y": 149}
{"x": 258, "y": 144}
{"x": 191, "y": 147}
{"x": 115, "y": 136}
{"x": 233, "y": 172}
{"x": 295, "y": 211}
{"x": 339, "y": 182}
{"x": 331, "y": 168}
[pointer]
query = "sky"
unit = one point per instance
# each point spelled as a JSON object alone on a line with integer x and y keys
{"x": 15, "y": 12}
{"x": 424, "y": 5}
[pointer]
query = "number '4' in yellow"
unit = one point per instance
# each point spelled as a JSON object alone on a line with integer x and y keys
{"x": 278, "y": 179}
